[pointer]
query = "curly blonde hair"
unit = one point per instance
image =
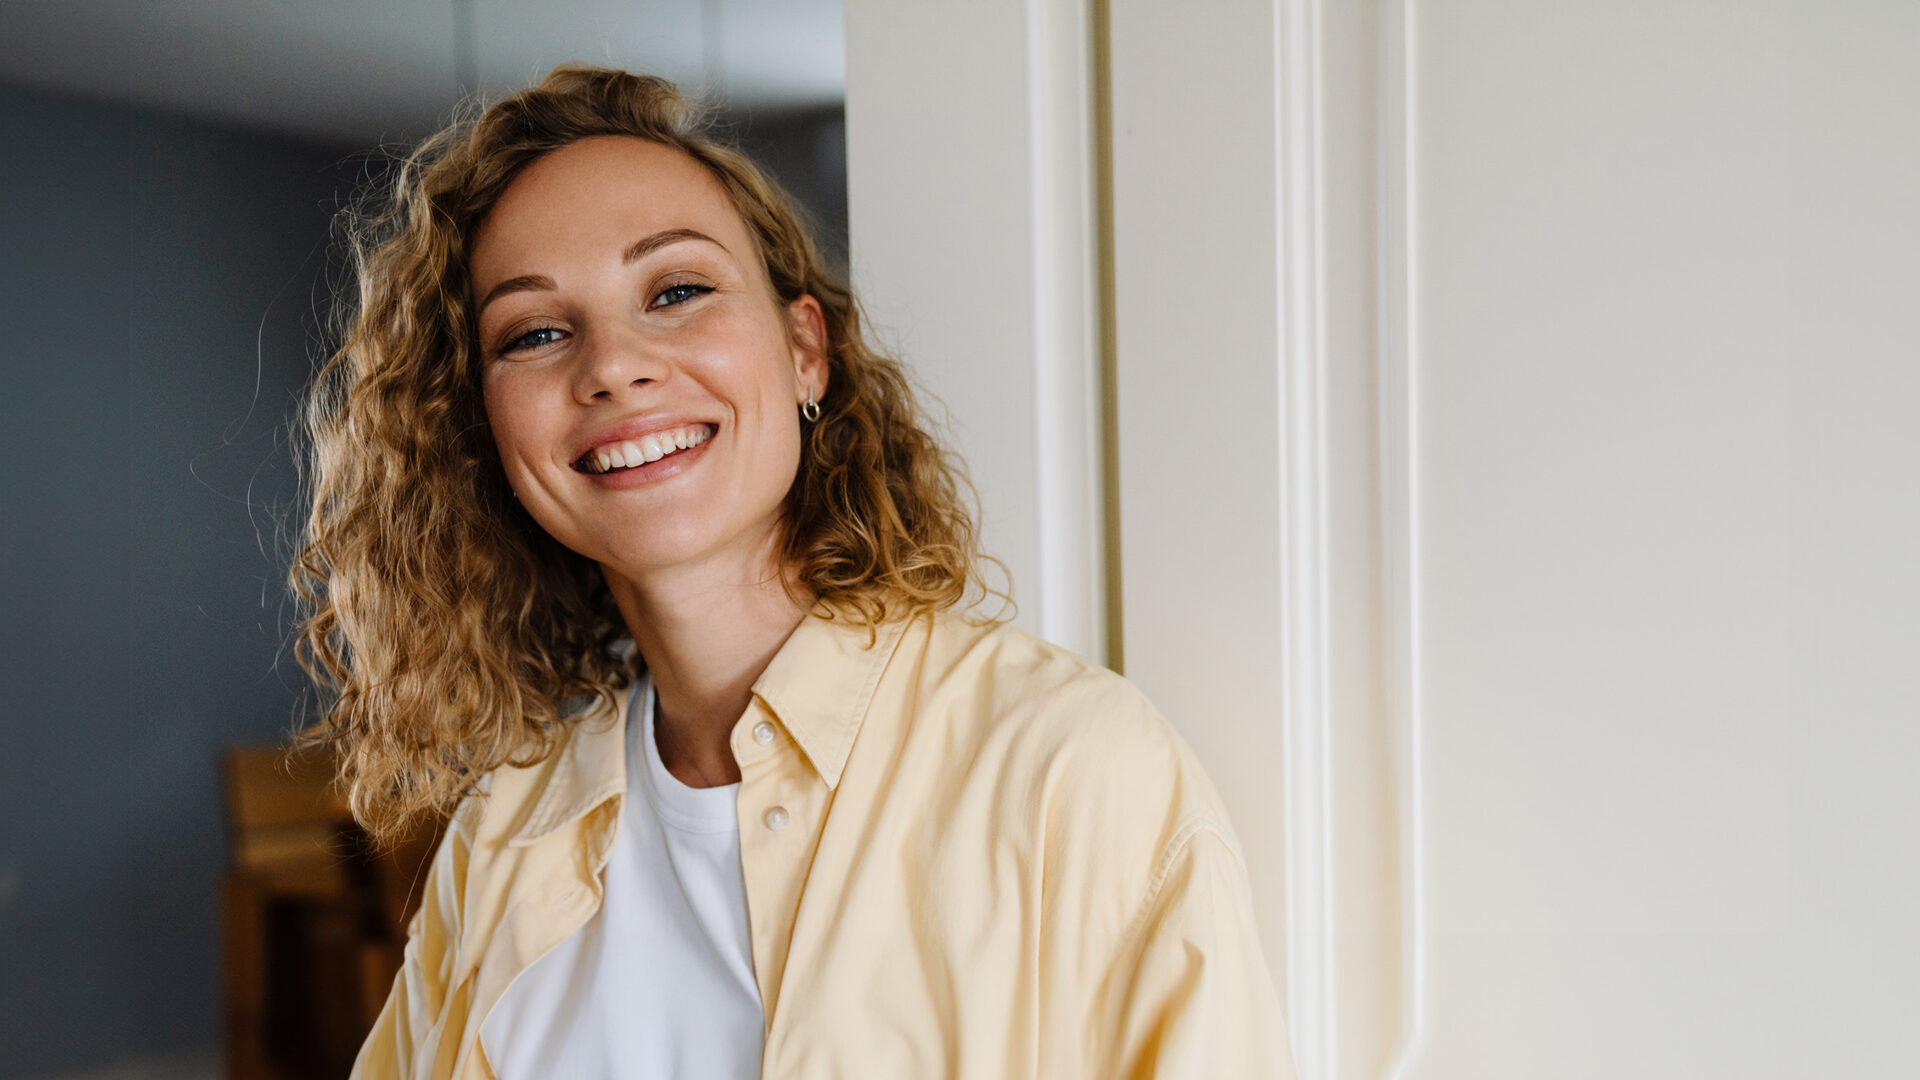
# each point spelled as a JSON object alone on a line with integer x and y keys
{"x": 447, "y": 632}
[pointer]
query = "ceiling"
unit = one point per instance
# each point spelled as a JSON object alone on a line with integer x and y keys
{"x": 364, "y": 71}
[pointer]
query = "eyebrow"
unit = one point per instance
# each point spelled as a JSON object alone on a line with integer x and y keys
{"x": 636, "y": 251}
{"x": 647, "y": 245}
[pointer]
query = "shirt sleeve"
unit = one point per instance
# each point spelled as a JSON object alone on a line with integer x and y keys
{"x": 426, "y": 970}
{"x": 1190, "y": 994}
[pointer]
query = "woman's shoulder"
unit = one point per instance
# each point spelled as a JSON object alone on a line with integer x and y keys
{"x": 1091, "y": 735}
{"x": 1108, "y": 793}
{"x": 1008, "y": 675}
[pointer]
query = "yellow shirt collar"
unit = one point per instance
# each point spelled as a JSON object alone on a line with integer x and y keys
{"x": 819, "y": 685}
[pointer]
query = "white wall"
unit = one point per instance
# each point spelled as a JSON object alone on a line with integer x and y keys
{"x": 1665, "y": 521}
{"x": 1518, "y": 511}
{"x": 1197, "y": 319}
{"x": 970, "y": 217}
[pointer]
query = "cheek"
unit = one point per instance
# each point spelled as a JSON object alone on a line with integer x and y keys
{"x": 512, "y": 416}
{"x": 779, "y": 448}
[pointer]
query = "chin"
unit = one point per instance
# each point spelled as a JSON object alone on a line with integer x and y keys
{"x": 636, "y": 551}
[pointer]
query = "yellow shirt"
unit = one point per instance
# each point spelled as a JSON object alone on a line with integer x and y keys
{"x": 967, "y": 853}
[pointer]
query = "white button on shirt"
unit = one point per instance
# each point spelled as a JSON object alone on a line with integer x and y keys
{"x": 659, "y": 983}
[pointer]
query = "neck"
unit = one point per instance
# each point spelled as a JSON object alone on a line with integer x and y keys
{"x": 706, "y": 633}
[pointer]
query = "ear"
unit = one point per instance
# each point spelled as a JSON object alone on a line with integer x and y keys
{"x": 807, "y": 330}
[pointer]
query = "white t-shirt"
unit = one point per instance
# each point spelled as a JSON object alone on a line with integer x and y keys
{"x": 659, "y": 983}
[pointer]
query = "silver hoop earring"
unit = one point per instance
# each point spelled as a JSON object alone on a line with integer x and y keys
{"x": 811, "y": 410}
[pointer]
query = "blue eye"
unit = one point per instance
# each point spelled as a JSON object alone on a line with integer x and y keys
{"x": 679, "y": 294}
{"x": 533, "y": 339}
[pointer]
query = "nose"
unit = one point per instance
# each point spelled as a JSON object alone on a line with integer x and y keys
{"x": 615, "y": 362}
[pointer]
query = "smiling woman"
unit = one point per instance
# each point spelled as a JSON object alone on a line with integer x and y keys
{"x": 436, "y": 593}
{"x": 629, "y": 557}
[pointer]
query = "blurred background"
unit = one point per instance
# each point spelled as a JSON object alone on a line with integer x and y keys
{"x": 167, "y": 181}
{"x": 1489, "y": 432}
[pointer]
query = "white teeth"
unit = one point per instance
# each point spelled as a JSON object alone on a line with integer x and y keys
{"x": 649, "y": 448}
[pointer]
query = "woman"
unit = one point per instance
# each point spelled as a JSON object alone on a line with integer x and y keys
{"x": 628, "y": 551}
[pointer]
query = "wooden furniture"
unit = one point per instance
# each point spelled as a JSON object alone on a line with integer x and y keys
{"x": 313, "y": 919}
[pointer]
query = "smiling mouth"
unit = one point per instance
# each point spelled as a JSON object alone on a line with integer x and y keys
{"x": 633, "y": 453}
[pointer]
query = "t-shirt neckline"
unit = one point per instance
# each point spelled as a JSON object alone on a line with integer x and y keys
{"x": 691, "y": 809}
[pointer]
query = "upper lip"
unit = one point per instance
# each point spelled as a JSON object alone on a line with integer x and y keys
{"x": 633, "y": 429}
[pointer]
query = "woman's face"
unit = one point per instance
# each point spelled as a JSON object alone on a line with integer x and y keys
{"x": 641, "y": 379}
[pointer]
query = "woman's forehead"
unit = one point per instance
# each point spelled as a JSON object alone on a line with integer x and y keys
{"x": 604, "y": 193}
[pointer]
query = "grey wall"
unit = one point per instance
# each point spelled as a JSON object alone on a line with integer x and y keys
{"x": 156, "y": 292}
{"x": 158, "y": 284}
